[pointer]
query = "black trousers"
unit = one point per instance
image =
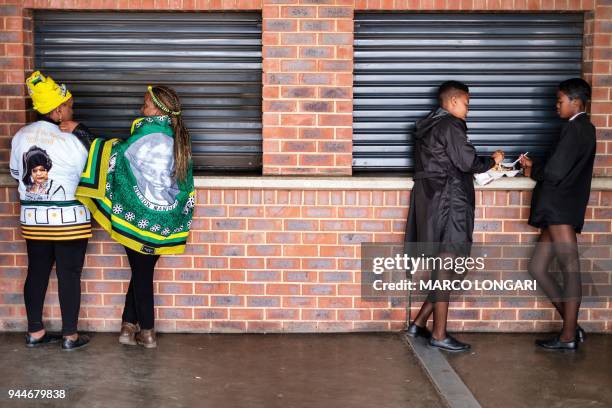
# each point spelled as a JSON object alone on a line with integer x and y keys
{"x": 68, "y": 257}
{"x": 139, "y": 305}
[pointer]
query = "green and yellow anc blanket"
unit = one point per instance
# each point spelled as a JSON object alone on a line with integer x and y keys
{"x": 129, "y": 188}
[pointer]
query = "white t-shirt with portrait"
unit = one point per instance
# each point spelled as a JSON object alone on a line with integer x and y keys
{"x": 48, "y": 164}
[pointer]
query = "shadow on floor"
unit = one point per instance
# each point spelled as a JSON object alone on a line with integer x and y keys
{"x": 191, "y": 370}
{"x": 507, "y": 370}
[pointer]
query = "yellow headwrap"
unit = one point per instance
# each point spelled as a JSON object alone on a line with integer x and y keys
{"x": 45, "y": 93}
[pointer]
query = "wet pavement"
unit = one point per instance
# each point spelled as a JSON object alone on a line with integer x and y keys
{"x": 303, "y": 370}
{"x": 507, "y": 370}
{"x": 195, "y": 370}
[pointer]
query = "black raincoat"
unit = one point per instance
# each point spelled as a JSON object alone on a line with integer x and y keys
{"x": 442, "y": 200}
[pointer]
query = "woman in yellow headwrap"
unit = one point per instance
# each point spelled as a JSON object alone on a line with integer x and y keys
{"x": 48, "y": 163}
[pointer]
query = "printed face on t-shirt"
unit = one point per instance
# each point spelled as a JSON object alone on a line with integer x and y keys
{"x": 39, "y": 175}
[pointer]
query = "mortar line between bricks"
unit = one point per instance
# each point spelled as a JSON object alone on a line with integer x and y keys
{"x": 444, "y": 378}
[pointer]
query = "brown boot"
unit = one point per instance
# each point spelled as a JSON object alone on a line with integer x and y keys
{"x": 128, "y": 332}
{"x": 146, "y": 338}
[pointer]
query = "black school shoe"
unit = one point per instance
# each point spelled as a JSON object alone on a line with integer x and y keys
{"x": 449, "y": 343}
{"x": 46, "y": 338}
{"x": 556, "y": 344}
{"x": 580, "y": 334}
{"x": 417, "y": 331}
{"x": 80, "y": 342}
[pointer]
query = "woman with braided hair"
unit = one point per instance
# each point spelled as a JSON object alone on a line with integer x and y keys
{"x": 140, "y": 190}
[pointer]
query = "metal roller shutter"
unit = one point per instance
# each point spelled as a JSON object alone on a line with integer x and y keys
{"x": 511, "y": 62}
{"x": 213, "y": 60}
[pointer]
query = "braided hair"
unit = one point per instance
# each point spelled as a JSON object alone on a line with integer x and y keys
{"x": 182, "y": 141}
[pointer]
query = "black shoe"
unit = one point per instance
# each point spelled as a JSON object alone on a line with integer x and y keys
{"x": 46, "y": 338}
{"x": 580, "y": 334}
{"x": 556, "y": 344}
{"x": 80, "y": 342}
{"x": 449, "y": 343}
{"x": 417, "y": 331}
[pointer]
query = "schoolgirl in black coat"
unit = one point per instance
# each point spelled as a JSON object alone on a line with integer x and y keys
{"x": 558, "y": 206}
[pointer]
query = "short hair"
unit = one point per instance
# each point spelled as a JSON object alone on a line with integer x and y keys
{"x": 576, "y": 88}
{"x": 451, "y": 88}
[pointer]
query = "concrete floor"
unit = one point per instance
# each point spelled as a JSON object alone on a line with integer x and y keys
{"x": 507, "y": 370}
{"x": 323, "y": 370}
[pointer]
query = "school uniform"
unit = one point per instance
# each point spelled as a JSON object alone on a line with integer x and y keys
{"x": 563, "y": 180}
{"x": 442, "y": 201}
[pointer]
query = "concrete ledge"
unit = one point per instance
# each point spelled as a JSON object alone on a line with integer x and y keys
{"x": 446, "y": 380}
{"x": 341, "y": 183}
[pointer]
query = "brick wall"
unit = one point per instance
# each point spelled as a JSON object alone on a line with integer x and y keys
{"x": 279, "y": 259}
{"x": 287, "y": 260}
{"x": 307, "y": 86}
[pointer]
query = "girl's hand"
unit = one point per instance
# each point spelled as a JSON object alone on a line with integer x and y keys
{"x": 68, "y": 126}
{"x": 525, "y": 161}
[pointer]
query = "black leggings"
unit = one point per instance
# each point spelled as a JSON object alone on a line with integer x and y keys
{"x": 139, "y": 303}
{"x": 68, "y": 257}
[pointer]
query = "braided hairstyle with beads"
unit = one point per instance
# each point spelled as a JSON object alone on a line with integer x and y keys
{"x": 182, "y": 141}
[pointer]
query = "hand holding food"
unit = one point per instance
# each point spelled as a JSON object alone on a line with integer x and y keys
{"x": 525, "y": 161}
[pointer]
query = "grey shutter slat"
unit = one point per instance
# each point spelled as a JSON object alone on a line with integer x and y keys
{"x": 511, "y": 62}
{"x": 213, "y": 60}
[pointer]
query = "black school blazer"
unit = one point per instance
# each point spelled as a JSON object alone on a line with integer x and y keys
{"x": 564, "y": 180}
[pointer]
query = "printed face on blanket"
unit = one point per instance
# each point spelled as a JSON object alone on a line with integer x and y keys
{"x": 151, "y": 163}
{"x": 133, "y": 187}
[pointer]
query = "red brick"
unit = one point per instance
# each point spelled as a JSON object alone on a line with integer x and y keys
{"x": 300, "y": 251}
{"x": 502, "y": 213}
{"x": 174, "y": 313}
{"x": 297, "y": 92}
{"x": 298, "y": 12}
{"x": 335, "y": 12}
{"x": 282, "y": 314}
{"x": 300, "y": 119}
{"x": 335, "y": 39}
{"x": 212, "y": 288}
{"x": 282, "y": 289}
{"x": 335, "y": 302}
{"x": 298, "y": 39}
{"x": 299, "y": 301}
{"x": 316, "y": 160}
{"x": 246, "y": 314}
{"x": 104, "y": 287}
{"x": 280, "y": 25}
